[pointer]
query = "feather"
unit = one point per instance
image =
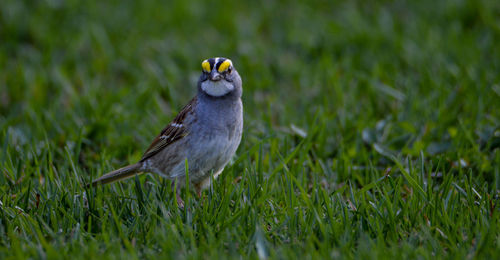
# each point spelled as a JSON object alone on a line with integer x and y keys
{"x": 171, "y": 133}
{"x": 120, "y": 174}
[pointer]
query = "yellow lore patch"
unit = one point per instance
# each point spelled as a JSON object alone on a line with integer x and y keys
{"x": 206, "y": 66}
{"x": 224, "y": 65}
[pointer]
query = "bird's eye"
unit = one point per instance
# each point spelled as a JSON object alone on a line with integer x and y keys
{"x": 229, "y": 70}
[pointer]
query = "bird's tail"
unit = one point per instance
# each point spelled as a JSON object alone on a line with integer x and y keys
{"x": 120, "y": 174}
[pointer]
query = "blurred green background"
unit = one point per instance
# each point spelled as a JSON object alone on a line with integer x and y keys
{"x": 110, "y": 70}
{"x": 86, "y": 85}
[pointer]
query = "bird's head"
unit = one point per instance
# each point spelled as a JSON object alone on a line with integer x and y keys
{"x": 219, "y": 78}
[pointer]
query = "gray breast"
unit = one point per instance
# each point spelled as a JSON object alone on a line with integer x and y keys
{"x": 215, "y": 137}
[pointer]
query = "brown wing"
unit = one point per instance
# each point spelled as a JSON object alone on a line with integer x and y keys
{"x": 171, "y": 133}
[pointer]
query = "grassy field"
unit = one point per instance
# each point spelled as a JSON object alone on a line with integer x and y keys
{"x": 372, "y": 129}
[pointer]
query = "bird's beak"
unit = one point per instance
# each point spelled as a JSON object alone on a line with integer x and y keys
{"x": 214, "y": 76}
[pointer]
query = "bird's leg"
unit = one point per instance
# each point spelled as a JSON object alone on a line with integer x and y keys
{"x": 198, "y": 190}
{"x": 180, "y": 202}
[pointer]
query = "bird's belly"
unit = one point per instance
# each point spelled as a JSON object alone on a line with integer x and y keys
{"x": 209, "y": 156}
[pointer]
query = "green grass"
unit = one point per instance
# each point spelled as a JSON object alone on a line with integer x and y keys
{"x": 371, "y": 129}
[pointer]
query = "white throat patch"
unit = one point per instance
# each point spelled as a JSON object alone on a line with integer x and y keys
{"x": 217, "y": 88}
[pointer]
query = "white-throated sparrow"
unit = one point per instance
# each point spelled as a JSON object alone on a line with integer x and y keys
{"x": 206, "y": 132}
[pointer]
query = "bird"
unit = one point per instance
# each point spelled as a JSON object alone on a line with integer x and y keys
{"x": 206, "y": 133}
